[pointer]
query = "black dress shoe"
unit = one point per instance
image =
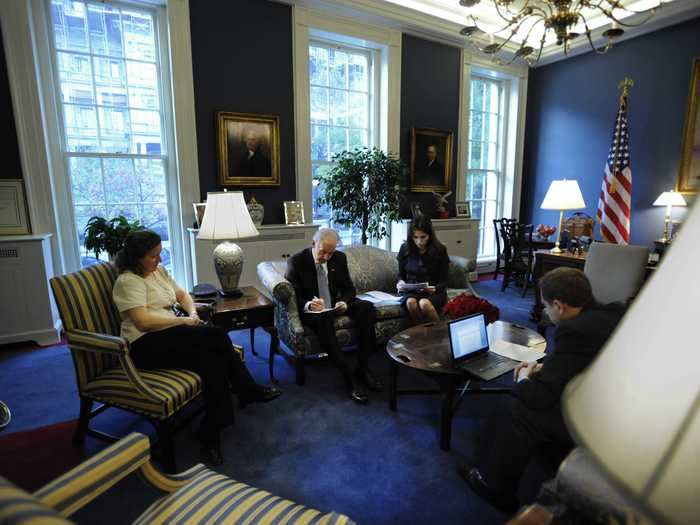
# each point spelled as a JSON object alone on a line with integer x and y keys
{"x": 507, "y": 503}
{"x": 211, "y": 455}
{"x": 358, "y": 395}
{"x": 261, "y": 394}
{"x": 371, "y": 382}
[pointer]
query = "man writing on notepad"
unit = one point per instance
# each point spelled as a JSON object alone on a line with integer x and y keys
{"x": 324, "y": 290}
{"x": 534, "y": 417}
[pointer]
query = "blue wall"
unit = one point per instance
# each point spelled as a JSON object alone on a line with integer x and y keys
{"x": 9, "y": 147}
{"x": 571, "y": 109}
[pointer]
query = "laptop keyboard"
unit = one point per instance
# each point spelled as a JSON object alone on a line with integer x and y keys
{"x": 492, "y": 361}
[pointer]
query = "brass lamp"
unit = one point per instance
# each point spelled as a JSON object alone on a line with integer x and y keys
{"x": 562, "y": 195}
{"x": 669, "y": 199}
{"x": 226, "y": 217}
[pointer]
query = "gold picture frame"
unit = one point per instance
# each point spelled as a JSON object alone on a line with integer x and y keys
{"x": 294, "y": 212}
{"x": 249, "y": 149}
{"x": 431, "y": 160}
{"x": 689, "y": 172}
{"x": 14, "y": 219}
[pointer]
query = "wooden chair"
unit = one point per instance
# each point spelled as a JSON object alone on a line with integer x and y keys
{"x": 196, "y": 496}
{"x": 520, "y": 258}
{"x": 104, "y": 371}
{"x": 500, "y": 227}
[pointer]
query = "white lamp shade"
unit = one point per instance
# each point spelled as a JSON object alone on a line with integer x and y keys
{"x": 563, "y": 195}
{"x": 670, "y": 198}
{"x": 226, "y": 217}
{"x": 637, "y": 408}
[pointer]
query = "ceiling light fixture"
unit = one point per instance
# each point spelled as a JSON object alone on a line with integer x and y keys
{"x": 565, "y": 19}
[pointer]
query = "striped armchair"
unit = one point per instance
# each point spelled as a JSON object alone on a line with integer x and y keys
{"x": 198, "y": 495}
{"x": 104, "y": 371}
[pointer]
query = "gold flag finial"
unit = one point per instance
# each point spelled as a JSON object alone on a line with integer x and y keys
{"x": 625, "y": 84}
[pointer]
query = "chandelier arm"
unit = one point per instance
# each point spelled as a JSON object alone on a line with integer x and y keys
{"x": 617, "y": 4}
{"x": 511, "y": 15}
{"x": 539, "y": 52}
{"x": 609, "y": 14}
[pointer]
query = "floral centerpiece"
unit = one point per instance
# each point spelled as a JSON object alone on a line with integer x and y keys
{"x": 466, "y": 304}
{"x": 544, "y": 230}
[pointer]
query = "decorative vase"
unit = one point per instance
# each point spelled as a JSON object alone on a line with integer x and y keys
{"x": 257, "y": 211}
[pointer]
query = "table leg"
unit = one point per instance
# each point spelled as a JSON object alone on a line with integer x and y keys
{"x": 274, "y": 347}
{"x": 393, "y": 382}
{"x": 447, "y": 395}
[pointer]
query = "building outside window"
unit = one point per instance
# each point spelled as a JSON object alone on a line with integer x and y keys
{"x": 342, "y": 115}
{"x": 484, "y": 177}
{"x": 106, "y": 61}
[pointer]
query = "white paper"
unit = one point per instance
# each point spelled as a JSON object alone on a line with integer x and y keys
{"x": 516, "y": 351}
{"x": 322, "y": 311}
{"x": 413, "y": 287}
{"x": 377, "y": 296}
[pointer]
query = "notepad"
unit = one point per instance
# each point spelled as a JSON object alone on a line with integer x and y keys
{"x": 377, "y": 296}
{"x": 515, "y": 351}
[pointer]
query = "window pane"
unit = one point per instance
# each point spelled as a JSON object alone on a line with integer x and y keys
{"x": 120, "y": 181}
{"x": 110, "y": 82}
{"x": 69, "y": 23}
{"x": 357, "y": 72}
{"x": 81, "y": 128}
{"x": 490, "y": 160}
{"x": 151, "y": 176}
{"x": 357, "y": 138}
{"x": 358, "y": 108}
{"x": 339, "y": 140}
{"x": 145, "y": 132}
{"x": 492, "y": 186}
{"x": 319, "y": 143}
{"x": 320, "y": 213}
{"x": 476, "y": 185}
{"x": 475, "y": 155}
{"x": 114, "y": 130}
{"x": 477, "y": 95}
{"x": 86, "y": 180}
{"x": 139, "y": 38}
{"x": 105, "y": 30}
{"x": 339, "y": 107}
{"x": 143, "y": 85}
{"x": 491, "y": 127}
{"x": 76, "y": 78}
{"x": 319, "y": 105}
{"x": 493, "y": 97}
{"x": 338, "y": 69}
{"x": 476, "y": 131}
{"x": 318, "y": 66}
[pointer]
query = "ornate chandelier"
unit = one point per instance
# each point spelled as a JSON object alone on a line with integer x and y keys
{"x": 565, "y": 19}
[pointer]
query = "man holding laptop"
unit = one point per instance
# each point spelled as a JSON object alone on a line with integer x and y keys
{"x": 534, "y": 415}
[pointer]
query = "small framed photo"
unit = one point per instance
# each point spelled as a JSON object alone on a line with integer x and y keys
{"x": 463, "y": 209}
{"x": 13, "y": 208}
{"x": 199, "y": 208}
{"x": 294, "y": 212}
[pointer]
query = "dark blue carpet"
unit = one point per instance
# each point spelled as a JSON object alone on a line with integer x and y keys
{"x": 312, "y": 445}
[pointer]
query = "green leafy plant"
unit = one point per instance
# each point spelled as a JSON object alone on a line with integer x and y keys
{"x": 102, "y": 235}
{"x": 364, "y": 189}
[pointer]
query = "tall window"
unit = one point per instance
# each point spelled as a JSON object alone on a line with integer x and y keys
{"x": 485, "y": 163}
{"x": 342, "y": 115}
{"x": 107, "y": 66}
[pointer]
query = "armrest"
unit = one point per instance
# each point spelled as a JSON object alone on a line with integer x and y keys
{"x": 285, "y": 300}
{"x": 458, "y": 273}
{"x": 82, "y": 484}
{"x": 94, "y": 342}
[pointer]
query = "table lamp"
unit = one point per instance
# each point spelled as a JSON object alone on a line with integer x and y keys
{"x": 562, "y": 195}
{"x": 637, "y": 407}
{"x": 669, "y": 199}
{"x": 226, "y": 217}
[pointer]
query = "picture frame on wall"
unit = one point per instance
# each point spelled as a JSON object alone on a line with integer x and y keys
{"x": 248, "y": 149}
{"x": 431, "y": 160}
{"x": 13, "y": 208}
{"x": 463, "y": 209}
{"x": 689, "y": 172}
{"x": 199, "y": 208}
{"x": 294, "y": 212}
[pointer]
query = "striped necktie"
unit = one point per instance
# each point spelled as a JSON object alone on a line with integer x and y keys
{"x": 323, "y": 290}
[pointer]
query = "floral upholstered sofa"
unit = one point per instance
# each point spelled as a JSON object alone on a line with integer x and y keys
{"x": 371, "y": 269}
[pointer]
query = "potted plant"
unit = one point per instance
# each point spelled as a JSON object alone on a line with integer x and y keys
{"x": 363, "y": 189}
{"x": 102, "y": 235}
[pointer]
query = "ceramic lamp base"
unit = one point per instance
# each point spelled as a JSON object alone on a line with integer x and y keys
{"x": 228, "y": 263}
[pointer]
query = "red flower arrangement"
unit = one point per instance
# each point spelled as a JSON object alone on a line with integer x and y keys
{"x": 466, "y": 304}
{"x": 545, "y": 230}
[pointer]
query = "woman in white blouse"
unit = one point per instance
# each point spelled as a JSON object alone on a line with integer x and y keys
{"x": 145, "y": 295}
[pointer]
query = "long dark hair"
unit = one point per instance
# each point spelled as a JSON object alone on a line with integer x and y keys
{"x": 424, "y": 224}
{"x": 136, "y": 246}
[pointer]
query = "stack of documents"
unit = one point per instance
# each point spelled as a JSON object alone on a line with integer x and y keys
{"x": 377, "y": 297}
{"x": 516, "y": 351}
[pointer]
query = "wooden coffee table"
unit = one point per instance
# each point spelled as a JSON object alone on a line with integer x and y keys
{"x": 251, "y": 310}
{"x": 427, "y": 348}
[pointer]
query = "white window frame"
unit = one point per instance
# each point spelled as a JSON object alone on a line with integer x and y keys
{"x": 33, "y": 89}
{"x": 385, "y": 44}
{"x": 513, "y": 131}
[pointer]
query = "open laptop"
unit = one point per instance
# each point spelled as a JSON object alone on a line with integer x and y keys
{"x": 469, "y": 343}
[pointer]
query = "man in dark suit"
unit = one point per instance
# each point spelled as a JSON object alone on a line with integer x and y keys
{"x": 321, "y": 280}
{"x": 534, "y": 416}
{"x": 252, "y": 163}
{"x": 432, "y": 174}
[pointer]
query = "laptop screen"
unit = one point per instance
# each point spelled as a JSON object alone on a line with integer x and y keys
{"x": 468, "y": 336}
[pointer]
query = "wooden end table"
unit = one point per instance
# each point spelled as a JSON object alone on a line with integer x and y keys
{"x": 427, "y": 348}
{"x": 251, "y": 310}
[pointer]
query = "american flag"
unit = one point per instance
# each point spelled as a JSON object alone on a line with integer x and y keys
{"x": 614, "y": 203}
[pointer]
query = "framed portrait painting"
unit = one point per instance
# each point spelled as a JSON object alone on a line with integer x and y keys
{"x": 431, "y": 159}
{"x": 689, "y": 174}
{"x": 249, "y": 149}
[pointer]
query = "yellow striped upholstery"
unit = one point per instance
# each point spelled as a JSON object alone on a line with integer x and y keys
{"x": 175, "y": 386}
{"x": 215, "y": 498}
{"x": 19, "y": 508}
{"x": 91, "y": 478}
